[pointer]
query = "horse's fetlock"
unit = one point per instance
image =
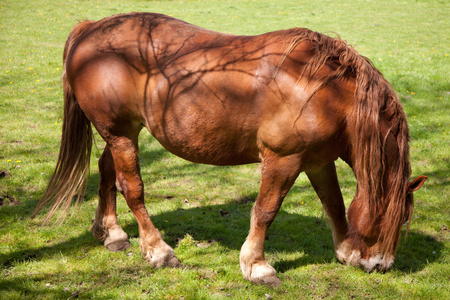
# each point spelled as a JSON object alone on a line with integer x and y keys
{"x": 99, "y": 232}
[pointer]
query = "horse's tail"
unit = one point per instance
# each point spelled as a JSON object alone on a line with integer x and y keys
{"x": 69, "y": 177}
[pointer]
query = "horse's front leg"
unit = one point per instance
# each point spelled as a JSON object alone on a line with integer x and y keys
{"x": 278, "y": 174}
{"x": 325, "y": 183}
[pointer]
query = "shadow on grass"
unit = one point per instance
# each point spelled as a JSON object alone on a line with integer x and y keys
{"x": 73, "y": 285}
{"x": 228, "y": 225}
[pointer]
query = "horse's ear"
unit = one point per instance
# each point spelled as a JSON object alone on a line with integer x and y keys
{"x": 416, "y": 184}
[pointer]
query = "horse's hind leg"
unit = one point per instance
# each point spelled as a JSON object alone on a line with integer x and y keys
{"x": 105, "y": 227}
{"x": 124, "y": 151}
{"x": 325, "y": 183}
{"x": 277, "y": 176}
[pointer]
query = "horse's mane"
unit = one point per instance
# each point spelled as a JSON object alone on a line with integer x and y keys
{"x": 373, "y": 97}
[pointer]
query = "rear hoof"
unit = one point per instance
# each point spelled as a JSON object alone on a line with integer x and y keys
{"x": 117, "y": 246}
{"x": 117, "y": 240}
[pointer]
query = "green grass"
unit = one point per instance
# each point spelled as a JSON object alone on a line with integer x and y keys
{"x": 407, "y": 40}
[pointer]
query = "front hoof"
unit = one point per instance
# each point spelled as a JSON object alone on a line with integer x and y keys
{"x": 162, "y": 256}
{"x": 347, "y": 255}
{"x": 260, "y": 273}
{"x": 164, "y": 261}
{"x": 173, "y": 263}
{"x": 265, "y": 274}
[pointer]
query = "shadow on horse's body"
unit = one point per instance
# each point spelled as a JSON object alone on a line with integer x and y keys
{"x": 294, "y": 100}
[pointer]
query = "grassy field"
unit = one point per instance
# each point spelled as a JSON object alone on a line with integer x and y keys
{"x": 407, "y": 40}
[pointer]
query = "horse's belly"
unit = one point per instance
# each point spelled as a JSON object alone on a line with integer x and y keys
{"x": 207, "y": 136}
{"x": 200, "y": 146}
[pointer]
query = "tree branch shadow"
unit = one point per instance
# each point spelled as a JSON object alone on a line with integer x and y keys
{"x": 228, "y": 225}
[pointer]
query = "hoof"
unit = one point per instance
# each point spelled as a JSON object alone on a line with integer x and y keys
{"x": 117, "y": 246}
{"x": 173, "y": 263}
{"x": 347, "y": 255}
{"x": 163, "y": 256}
{"x": 170, "y": 261}
{"x": 258, "y": 272}
{"x": 161, "y": 262}
{"x": 261, "y": 273}
{"x": 117, "y": 240}
{"x": 264, "y": 274}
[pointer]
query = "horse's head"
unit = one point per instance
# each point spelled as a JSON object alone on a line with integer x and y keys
{"x": 374, "y": 238}
{"x": 384, "y": 199}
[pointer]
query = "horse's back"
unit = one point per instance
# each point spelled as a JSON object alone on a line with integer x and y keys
{"x": 207, "y": 97}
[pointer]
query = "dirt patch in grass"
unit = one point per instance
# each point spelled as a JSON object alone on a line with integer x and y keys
{"x": 6, "y": 200}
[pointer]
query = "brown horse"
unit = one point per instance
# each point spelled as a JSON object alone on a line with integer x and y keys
{"x": 294, "y": 100}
